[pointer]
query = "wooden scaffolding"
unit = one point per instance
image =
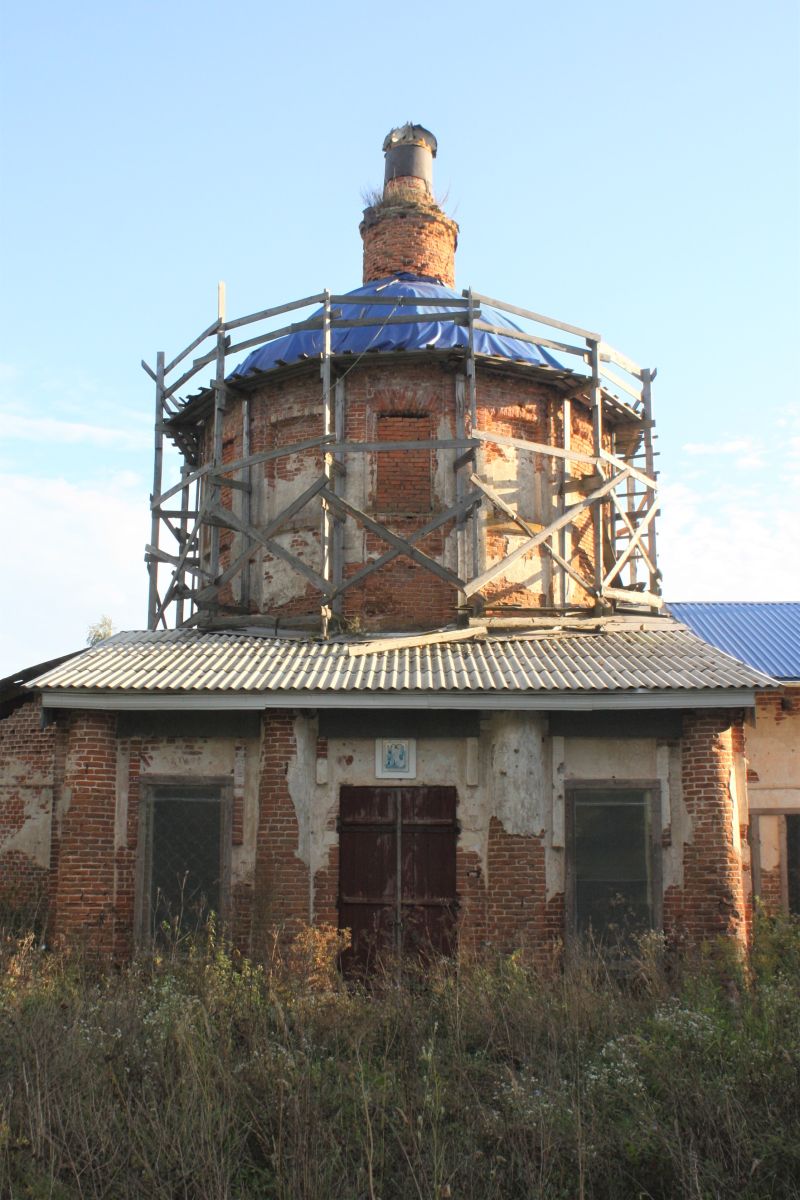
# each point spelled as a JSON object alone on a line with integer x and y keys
{"x": 619, "y": 488}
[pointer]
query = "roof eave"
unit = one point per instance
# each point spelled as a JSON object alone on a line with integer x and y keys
{"x": 674, "y": 698}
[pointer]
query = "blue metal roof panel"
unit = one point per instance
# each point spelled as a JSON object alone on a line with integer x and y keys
{"x": 765, "y": 635}
{"x": 427, "y": 333}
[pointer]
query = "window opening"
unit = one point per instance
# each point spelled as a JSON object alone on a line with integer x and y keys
{"x": 612, "y": 863}
{"x": 185, "y": 867}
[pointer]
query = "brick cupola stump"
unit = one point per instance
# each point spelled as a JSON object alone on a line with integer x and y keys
{"x": 406, "y": 230}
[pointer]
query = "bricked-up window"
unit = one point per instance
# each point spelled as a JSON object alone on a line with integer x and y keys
{"x": 404, "y": 477}
{"x": 184, "y": 867}
{"x": 613, "y": 865}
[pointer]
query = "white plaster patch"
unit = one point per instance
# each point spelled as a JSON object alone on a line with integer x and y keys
{"x": 609, "y": 758}
{"x": 210, "y": 757}
{"x": 300, "y": 778}
{"x": 770, "y": 840}
{"x": 33, "y": 837}
{"x": 518, "y": 773}
{"x": 281, "y": 582}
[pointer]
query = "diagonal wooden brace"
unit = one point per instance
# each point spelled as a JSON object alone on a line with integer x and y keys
{"x": 566, "y": 518}
{"x": 402, "y": 545}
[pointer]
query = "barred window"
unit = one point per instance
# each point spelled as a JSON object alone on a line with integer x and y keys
{"x": 184, "y": 859}
{"x": 613, "y": 864}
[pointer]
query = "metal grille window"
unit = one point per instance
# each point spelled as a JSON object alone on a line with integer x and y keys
{"x": 184, "y": 861}
{"x": 613, "y": 866}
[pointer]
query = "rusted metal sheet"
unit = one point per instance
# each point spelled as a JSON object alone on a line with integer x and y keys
{"x": 397, "y": 871}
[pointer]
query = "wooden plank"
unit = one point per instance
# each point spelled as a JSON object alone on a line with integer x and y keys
{"x": 566, "y": 518}
{"x": 501, "y": 505}
{"x": 201, "y": 337}
{"x": 251, "y": 461}
{"x": 609, "y": 354}
{"x": 268, "y": 531}
{"x": 564, "y": 540}
{"x": 263, "y": 456}
{"x": 645, "y": 598}
{"x": 381, "y": 645}
{"x": 631, "y": 531}
{"x": 458, "y": 318}
{"x": 619, "y": 463}
{"x": 236, "y": 484}
{"x": 326, "y": 530}
{"x": 647, "y": 399}
{"x": 262, "y": 339}
{"x": 403, "y": 545}
{"x": 188, "y": 564}
{"x": 150, "y": 372}
{"x": 402, "y": 301}
{"x": 620, "y": 383}
{"x": 196, "y": 366}
{"x": 535, "y": 447}
{"x": 276, "y": 550}
{"x": 518, "y": 336}
{"x": 582, "y": 483}
{"x": 421, "y": 444}
{"x": 632, "y": 544}
{"x": 153, "y": 602}
{"x": 533, "y": 316}
{"x": 266, "y": 313}
{"x": 586, "y": 584}
{"x": 458, "y": 510}
{"x": 218, "y": 432}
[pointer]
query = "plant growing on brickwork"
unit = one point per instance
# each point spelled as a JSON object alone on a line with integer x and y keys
{"x": 99, "y": 631}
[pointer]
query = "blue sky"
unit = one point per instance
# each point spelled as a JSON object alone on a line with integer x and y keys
{"x": 628, "y": 167}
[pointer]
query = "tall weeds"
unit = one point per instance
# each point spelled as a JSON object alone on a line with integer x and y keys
{"x": 201, "y": 1074}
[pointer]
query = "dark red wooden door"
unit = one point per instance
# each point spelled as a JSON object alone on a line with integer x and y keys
{"x": 397, "y": 871}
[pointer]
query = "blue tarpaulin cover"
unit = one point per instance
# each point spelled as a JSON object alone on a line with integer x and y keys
{"x": 416, "y": 335}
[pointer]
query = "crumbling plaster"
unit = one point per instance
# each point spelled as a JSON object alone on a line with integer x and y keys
{"x": 510, "y": 775}
{"x": 642, "y": 761}
{"x": 773, "y": 757}
{"x": 30, "y": 833}
{"x": 205, "y": 758}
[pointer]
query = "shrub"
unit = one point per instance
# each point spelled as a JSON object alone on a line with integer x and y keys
{"x": 203, "y": 1074}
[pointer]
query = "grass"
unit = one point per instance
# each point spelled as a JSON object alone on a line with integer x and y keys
{"x": 201, "y": 1074}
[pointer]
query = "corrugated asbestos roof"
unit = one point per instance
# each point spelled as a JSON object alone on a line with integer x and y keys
{"x": 767, "y": 636}
{"x": 188, "y": 662}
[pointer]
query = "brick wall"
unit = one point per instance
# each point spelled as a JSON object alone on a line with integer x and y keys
{"x": 85, "y": 883}
{"x": 97, "y": 781}
{"x": 403, "y": 489}
{"x": 712, "y": 901}
{"x": 281, "y": 899}
{"x": 26, "y": 794}
{"x": 408, "y": 232}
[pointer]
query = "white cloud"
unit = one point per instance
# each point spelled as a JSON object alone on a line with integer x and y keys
{"x": 17, "y": 426}
{"x": 72, "y": 554}
{"x": 726, "y": 532}
{"x": 747, "y": 452}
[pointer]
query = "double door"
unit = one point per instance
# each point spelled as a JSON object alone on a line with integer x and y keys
{"x": 397, "y": 871}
